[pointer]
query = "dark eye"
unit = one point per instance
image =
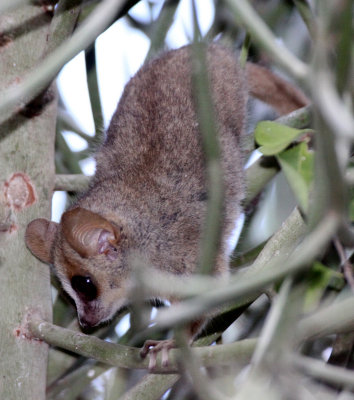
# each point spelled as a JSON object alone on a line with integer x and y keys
{"x": 84, "y": 287}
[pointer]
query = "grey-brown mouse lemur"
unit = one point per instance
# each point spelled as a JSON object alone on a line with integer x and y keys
{"x": 149, "y": 194}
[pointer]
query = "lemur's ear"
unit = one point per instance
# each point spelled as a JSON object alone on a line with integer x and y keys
{"x": 39, "y": 238}
{"x": 88, "y": 233}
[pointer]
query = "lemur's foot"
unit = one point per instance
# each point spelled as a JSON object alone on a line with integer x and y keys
{"x": 153, "y": 347}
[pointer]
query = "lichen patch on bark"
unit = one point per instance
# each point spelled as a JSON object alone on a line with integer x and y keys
{"x": 19, "y": 191}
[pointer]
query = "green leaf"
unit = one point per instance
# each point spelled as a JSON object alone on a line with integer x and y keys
{"x": 274, "y": 138}
{"x": 297, "y": 165}
{"x": 351, "y": 210}
{"x": 319, "y": 278}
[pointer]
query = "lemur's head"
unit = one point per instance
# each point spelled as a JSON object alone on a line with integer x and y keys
{"x": 89, "y": 258}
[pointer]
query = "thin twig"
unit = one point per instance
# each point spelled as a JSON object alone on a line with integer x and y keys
{"x": 272, "y": 324}
{"x": 94, "y": 92}
{"x": 280, "y": 246}
{"x": 67, "y": 122}
{"x": 161, "y": 27}
{"x": 151, "y": 387}
{"x": 264, "y": 37}
{"x": 68, "y": 158}
{"x": 214, "y": 174}
{"x": 71, "y": 385}
{"x": 334, "y": 109}
{"x": 36, "y": 80}
{"x": 191, "y": 363}
{"x": 345, "y": 263}
{"x": 323, "y": 371}
{"x": 71, "y": 183}
{"x": 338, "y": 317}
{"x": 307, "y": 16}
{"x": 243, "y": 288}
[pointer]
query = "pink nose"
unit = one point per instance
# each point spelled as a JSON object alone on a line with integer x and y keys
{"x": 89, "y": 320}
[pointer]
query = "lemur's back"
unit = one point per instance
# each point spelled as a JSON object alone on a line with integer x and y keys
{"x": 155, "y": 130}
{"x": 153, "y": 144}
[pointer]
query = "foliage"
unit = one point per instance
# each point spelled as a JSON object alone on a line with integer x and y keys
{"x": 296, "y": 163}
{"x": 286, "y": 320}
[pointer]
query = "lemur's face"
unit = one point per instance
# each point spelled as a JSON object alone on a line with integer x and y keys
{"x": 88, "y": 255}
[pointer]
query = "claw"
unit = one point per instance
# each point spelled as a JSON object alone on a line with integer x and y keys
{"x": 164, "y": 357}
{"x": 147, "y": 345}
{"x": 152, "y": 360}
{"x": 153, "y": 347}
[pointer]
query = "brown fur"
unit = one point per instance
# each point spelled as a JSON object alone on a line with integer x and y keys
{"x": 273, "y": 90}
{"x": 149, "y": 191}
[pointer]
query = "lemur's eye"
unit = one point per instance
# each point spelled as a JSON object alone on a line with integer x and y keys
{"x": 84, "y": 287}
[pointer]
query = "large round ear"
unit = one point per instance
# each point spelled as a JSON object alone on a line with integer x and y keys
{"x": 39, "y": 238}
{"x": 88, "y": 233}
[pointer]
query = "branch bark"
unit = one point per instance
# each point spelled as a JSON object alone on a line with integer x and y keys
{"x": 129, "y": 357}
{"x": 73, "y": 183}
{"x": 25, "y": 193}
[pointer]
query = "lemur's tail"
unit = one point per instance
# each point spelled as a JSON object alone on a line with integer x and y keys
{"x": 273, "y": 90}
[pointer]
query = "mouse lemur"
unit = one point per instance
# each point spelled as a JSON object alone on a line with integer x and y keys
{"x": 149, "y": 193}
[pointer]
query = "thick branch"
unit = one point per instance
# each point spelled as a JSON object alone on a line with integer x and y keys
{"x": 7, "y": 5}
{"x": 129, "y": 357}
{"x": 26, "y": 181}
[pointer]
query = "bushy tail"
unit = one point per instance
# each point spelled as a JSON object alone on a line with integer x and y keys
{"x": 273, "y": 90}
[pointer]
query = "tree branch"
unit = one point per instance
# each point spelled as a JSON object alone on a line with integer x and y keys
{"x": 129, "y": 357}
{"x": 265, "y": 39}
{"x": 242, "y": 288}
{"x": 322, "y": 371}
{"x": 71, "y": 183}
{"x": 38, "y": 78}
